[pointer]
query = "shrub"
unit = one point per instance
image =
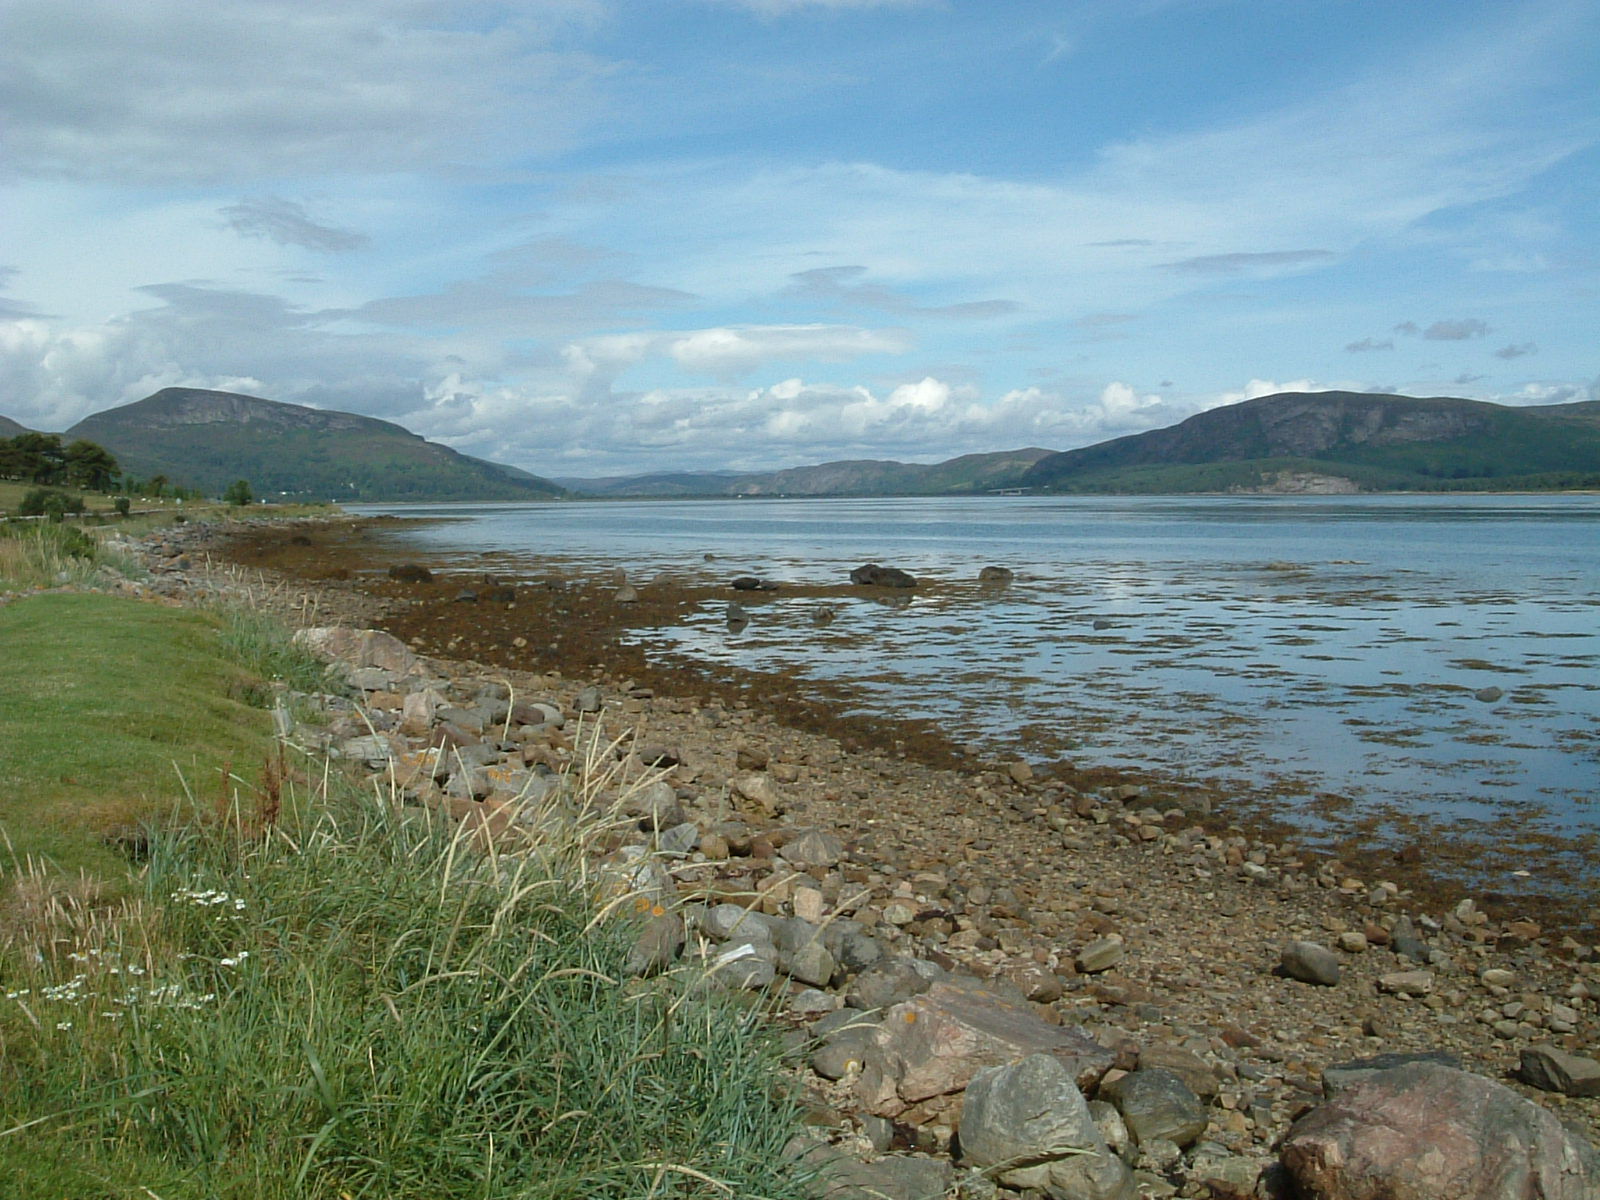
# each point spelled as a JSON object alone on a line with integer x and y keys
{"x": 238, "y": 493}
{"x": 123, "y": 505}
{"x": 49, "y": 503}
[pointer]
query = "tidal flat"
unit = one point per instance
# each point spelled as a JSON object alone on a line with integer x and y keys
{"x": 1412, "y": 705}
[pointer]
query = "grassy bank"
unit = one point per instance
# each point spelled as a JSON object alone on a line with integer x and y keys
{"x": 114, "y": 712}
{"x": 296, "y": 991}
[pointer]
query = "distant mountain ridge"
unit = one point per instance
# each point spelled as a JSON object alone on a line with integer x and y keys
{"x": 963, "y": 475}
{"x": 1352, "y": 440}
{"x": 10, "y": 428}
{"x": 208, "y": 439}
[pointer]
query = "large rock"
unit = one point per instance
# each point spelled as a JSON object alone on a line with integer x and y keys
{"x": 872, "y": 575}
{"x": 933, "y": 1044}
{"x": 359, "y": 647}
{"x": 1309, "y": 963}
{"x": 1157, "y": 1106}
{"x": 1554, "y": 1070}
{"x": 1031, "y": 1114}
{"x": 1428, "y": 1132}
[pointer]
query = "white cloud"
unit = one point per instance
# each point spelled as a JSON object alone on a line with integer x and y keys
{"x": 170, "y": 90}
{"x": 1257, "y": 388}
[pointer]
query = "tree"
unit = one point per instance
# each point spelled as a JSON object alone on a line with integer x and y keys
{"x": 33, "y": 457}
{"x": 89, "y": 465}
{"x": 157, "y": 485}
{"x": 238, "y": 493}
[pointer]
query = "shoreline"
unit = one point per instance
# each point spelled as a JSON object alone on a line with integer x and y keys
{"x": 1105, "y": 911}
{"x": 567, "y": 617}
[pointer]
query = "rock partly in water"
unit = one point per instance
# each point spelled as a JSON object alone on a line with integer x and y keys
{"x": 872, "y": 575}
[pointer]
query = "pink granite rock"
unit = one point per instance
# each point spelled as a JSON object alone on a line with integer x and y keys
{"x": 1428, "y": 1132}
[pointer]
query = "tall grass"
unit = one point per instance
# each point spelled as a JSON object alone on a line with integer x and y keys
{"x": 363, "y": 1005}
{"x": 37, "y": 554}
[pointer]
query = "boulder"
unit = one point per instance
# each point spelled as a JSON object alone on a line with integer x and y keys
{"x": 1157, "y": 1106}
{"x": 933, "y": 1044}
{"x": 752, "y": 583}
{"x": 359, "y": 647}
{"x": 872, "y": 575}
{"x": 1552, "y": 1069}
{"x": 1309, "y": 963}
{"x": 658, "y": 945}
{"x": 995, "y": 576}
{"x": 1031, "y": 1115}
{"x": 1429, "y": 1132}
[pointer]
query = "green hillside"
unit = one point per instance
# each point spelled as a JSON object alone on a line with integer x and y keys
{"x": 1330, "y": 440}
{"x": 208, "y": 439}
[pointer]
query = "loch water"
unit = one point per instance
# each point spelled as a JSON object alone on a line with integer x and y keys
{"x": 1417, "y": 661}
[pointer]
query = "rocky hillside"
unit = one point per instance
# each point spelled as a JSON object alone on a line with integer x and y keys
{"x": 1342, "y": 441}
{"x": 856, "y": 477}
{"x": 10, "y": 428}
{"x": 208, "y": 439}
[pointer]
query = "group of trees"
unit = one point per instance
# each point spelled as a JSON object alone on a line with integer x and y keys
{"x": 40, "y": 458}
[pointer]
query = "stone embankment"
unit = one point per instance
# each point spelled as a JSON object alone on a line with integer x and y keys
{"x": 994, "y": 985}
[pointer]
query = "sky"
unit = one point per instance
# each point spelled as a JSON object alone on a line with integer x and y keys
{"x": 602, "y": 237}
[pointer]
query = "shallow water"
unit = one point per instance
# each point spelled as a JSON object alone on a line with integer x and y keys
{"x": 1326, "y": 649}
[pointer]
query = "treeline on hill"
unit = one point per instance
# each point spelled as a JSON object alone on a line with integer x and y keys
{"x": 41, "y": 458}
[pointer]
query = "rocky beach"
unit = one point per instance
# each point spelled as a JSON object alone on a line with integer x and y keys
{"x": 976, "y": 963}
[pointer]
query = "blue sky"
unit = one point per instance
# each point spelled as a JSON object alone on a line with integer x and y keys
{"x": 594, "y": 237}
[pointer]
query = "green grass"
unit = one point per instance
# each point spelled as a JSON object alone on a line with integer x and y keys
{"x": 360, "y": 1005}
{"x": 112, "y": 709}
{"x": 318, "y": 996}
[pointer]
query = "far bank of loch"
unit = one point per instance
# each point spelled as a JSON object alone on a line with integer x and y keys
{"x": 1416, "y": 669}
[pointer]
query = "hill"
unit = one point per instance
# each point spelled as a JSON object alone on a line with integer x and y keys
{"x": 10, "y": 428}
{"x": 856, "y": 477}
{"x": 1342, "y": 441}
{"x": 208, "y": 439}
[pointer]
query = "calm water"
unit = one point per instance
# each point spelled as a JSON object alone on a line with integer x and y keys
{"x": 1330, "y": 647}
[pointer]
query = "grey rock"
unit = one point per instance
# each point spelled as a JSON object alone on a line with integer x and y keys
{"x": 1309, "y": 963}
{"x": 744, "y": 964}
{"x": 1113, "y": 1129}
{"x": 995, "y": 576}
{"x": 1552, "y": 1069}
{"x": 681, "y": 839}
{"x": 1488, "y": 695}
{"x": 1406, "y": 983}
{"x": 1403, "y": 938}
{"x": 752, "y": 583}
{"x": 1031, "y": 1116}
{"x": 1427, "y": 1132}
{"x": 589, "y": 700}
{"x": 1100, "y": 955}
{"x": 886, "y": 984}
{"x": 872, "y": 575}
{"x": 1185, "y": 1064}
{"x": 371, "y": 679}
{"x": 1342, "y": 1076}
{"x": 814, "y": 848}
{"x": 1157, "y": 1104}
{"x": 1226, "y": 1176}
{"x": 845, "y": 1049}
{"x": 893, "y": 1177}
{"x": 856, "y": 951}
{"x": 811, "y": 964}
{"x": 656, "y": 805}
{"x": 725, "y": 921}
